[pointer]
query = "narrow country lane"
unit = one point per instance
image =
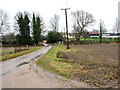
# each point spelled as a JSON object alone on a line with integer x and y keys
{"x": 21, "y": 72}
{"x": 12, "y": 64}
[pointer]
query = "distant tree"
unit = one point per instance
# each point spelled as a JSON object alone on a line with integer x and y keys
{"x": 54, "y": 23}
{"x": 43, "y": 37}
{"x": 27, "y": 29}
{"x": 38, "y": 28}
{"x": 16, "y": 25}
{"x": 20, "y": 22}
{"x": 81, "y": 20}
{"x": 9, "y": 39}
{"x": 24, "y": 29}
{"x": 76, "y": 32}
{"x": 115, "y": 27}
{"x": 54, "y": 37}
{"x": 18, "y": 38}
{"x": 102, "y": 29}
{"x": 34, "y": 29}
{"x": 4, "y": 24}
{"x": 85, "y": 34}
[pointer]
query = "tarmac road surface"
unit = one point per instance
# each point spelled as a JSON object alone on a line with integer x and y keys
{"x": 21, "y": 72}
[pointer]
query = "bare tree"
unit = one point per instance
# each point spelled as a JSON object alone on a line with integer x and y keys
{"x": 4, "y": 25}
{"x": 54, "y": 23}
{"x": 115, "y": 26}
{"x": 16, "y": 26}
{"x": 102, "y": 29}
{"x": 81, "y": 21}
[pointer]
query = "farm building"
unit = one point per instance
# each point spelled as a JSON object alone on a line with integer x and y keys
{"x": 93, "y": 34}
{"x": 105, "y": 35}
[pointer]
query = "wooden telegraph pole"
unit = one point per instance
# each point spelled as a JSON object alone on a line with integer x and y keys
{"x": 66, "y": 26}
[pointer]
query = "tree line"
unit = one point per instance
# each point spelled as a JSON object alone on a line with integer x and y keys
{"x": 30, "y": 27}
{"x": 24, "y": 36}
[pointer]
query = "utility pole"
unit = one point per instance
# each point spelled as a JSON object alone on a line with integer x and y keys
{"x": 119, "y": 22}
{"x": 66, "y": 26}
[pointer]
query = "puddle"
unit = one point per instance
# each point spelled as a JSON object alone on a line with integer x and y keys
{"x": 23, "y": 63}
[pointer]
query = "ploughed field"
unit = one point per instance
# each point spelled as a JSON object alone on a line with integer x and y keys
{"x": 96, "y": 64}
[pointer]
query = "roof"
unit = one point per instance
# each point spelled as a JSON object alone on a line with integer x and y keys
{"x": 93, "y": 33}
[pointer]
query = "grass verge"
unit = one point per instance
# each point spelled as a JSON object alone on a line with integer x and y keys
{"x": 13, "y": 55}
{"x": 52, "y": 63}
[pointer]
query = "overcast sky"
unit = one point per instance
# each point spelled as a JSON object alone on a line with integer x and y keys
{"x": 106, "y": 10}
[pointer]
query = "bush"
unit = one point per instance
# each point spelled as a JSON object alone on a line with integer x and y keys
{"x": 9, "y": 39}
{"x": 54, "y": 37}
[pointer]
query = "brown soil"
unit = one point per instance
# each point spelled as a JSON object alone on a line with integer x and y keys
{"x": 94, "y": 63}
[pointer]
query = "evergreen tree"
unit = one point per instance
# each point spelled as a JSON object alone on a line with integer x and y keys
{"x": 21, "y": 29}
{"x": 37, "y": 28}
{"x": 27, "y": 30}
{"x": 34, "y": 29}
{"x": 54, "y": 37}
{"x": 24, "y": 30}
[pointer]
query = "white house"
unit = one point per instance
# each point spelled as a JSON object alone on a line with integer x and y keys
{"x": 64, "y": 34}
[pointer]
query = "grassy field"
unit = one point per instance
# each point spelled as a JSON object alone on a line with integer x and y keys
{"x": 96, "y": 40}
{"x": 10, "y": 52}
{"x": 96, "y": 64}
